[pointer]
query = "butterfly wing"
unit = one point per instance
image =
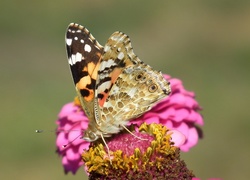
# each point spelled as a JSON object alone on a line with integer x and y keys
{"x": 112, "y": 83}
{"x": 126, "y": 87}
{"x": 115, "y": 59}
{"x": 84, "y": 55}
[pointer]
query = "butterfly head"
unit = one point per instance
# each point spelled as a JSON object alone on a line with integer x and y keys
{"x": 90, "y": 136}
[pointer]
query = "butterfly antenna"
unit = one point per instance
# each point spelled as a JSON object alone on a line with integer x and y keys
{"x": 133, "y": 133}
{"x": 38, "y": 130}
{"x": 107, "y": 148}
{"x": 41, "y": 130}
{"x": 57, "y": 130}
{"x": 65, "y": 145}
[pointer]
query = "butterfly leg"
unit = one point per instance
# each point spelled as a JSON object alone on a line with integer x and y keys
{"x": 133, "y": 133}
{"x": 107, "y": 148}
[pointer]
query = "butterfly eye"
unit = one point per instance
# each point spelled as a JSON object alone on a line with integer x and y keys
{"x": 152, "y": 88}
{"x": 140, "y": 77}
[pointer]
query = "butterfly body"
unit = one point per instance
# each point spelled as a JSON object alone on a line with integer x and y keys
{"x": 112, "y": 83}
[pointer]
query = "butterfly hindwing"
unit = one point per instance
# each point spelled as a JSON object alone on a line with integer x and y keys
{"x": 126, "y": 87}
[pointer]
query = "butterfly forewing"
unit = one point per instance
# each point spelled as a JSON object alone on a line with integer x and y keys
{"x": 84, "y": 55}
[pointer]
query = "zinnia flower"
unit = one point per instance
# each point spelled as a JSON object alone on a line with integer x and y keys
{"x": 179, "y": 112}
{"x": 156, "y": 157}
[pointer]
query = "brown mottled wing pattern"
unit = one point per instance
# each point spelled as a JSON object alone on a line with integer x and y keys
{"x": 84, "y": 55}
{"x": 126, "y": 87}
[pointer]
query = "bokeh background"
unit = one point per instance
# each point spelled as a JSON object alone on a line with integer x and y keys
{"x": 206, "y": 44}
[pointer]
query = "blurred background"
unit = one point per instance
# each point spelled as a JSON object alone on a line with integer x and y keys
{"x": 206, "y": 44}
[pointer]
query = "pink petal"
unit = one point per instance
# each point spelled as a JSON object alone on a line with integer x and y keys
{"x": 177, "y": 137}
{"x": 74, "y": 117}
{"x": 72, "y": 154}
{"x": 180, "y": 115}
{"x": 190, "y": 102}
{"x": 182, "y": 127}
{"x": 67, "y": 109}
{"x": 175, "y": 83}
{"x": 199, "y": 120}
{"x": 70, "y": 166}
{"x": 61, "y": 140}
{"x": 83, "y": 146}
{"x": 169, "y": 124}
{"x": 84, "y": 125}
{"x": 75, "y": 137}
{"x": 166, "y": 76}
{"x": 192, "y": 140}
{"x": 153, "y": 119}
{"x": 177, "y": 99}
{"x": 170, "y": 112}
{"x": 193, "y": 136}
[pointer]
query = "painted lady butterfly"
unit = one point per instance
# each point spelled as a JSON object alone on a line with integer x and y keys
{"x": 112, "y": 83}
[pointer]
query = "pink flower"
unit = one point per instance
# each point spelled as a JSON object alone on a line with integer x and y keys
{"x": 154, "y": 158}
{"x": 178, "y": 112}
{"x": 71, "y": 123}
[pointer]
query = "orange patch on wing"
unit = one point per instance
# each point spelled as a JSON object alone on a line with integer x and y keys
{"x": 102, "y": 101}
{"x": 81, "y": 85}
{"x": 93, "y": 69}
{"x": 84, "y": 81}
{"x": 91, "y": 66}
{"x": 115, "y": 74}
{"x": 90, "y": 96}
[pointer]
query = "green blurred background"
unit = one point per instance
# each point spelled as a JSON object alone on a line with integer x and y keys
{"x": 204, "y": 43}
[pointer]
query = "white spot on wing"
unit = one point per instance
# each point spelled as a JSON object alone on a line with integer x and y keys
{"x": 82, "y": 41}
{"x": 120, "y": 55}
{"x": 132, "y": 92}
{"x": 75, "y": 58}
{"x": 87, "y": 48}
{"x": 106, "y": 48}
{"x": 103, "y": 86}
{"x": 107, "y": 64}
{"x": 76, "y": 38}
{"x": 78, "y": 57}
{"x": 115, "y": 89}
{"x": 69, "y": 42}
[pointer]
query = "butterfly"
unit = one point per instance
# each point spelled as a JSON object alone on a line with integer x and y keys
{"x": 112, "y": 83}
